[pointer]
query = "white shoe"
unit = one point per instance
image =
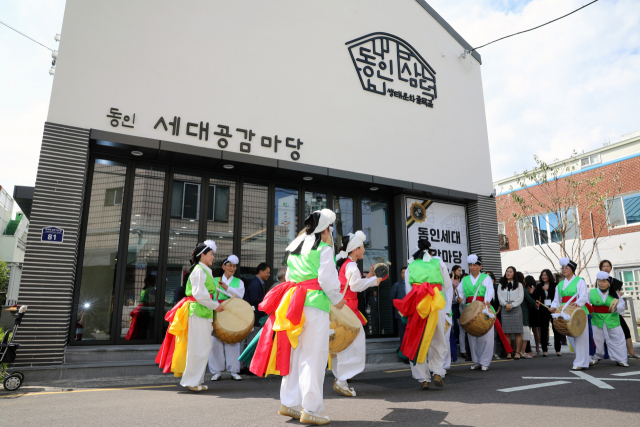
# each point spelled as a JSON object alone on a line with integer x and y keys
{"x": 496, "y": 357}
{"x": 236, "y": 376}
{"x": 313, "y": 418}
{"x": 216, "y": 377}
{"x": 475, "y": 367}
{"x": 626, "y": 365}
{"x": 485, "y": 368}
{"x": 594, "y": 362}
{"x": 342, "y": 388}
{"x": 577, "y": 368}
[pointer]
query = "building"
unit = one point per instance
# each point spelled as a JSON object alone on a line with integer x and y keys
{"x": 233, "y": 121}
{"x": 619, "y": 240}
{"x": 13, "y": 240}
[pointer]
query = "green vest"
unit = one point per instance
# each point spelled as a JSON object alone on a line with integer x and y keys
{"x": 612, "y": 320}
{"x": 305, "y": 267}
{"x": 570, "y": 290}
{"x": 235, "y": 283}
{"x": 469, "y": 290}
{"x": 426, "y": 272}
{"x": 195, "y": 307}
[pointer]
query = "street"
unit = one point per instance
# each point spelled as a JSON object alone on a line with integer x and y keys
{"x": 513, "y": 392}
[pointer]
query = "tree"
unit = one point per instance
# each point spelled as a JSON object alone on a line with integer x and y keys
{"x": 569, "y": 198}
{"x": 4, "y": 277}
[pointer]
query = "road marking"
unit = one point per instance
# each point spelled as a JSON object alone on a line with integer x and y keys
{"x": 528, "y": 387}
{"x": 595, "y": 381}
{"x": 457, "y": 364}
{"x": 626, "y": 374}
{"x": 88, "y": 390}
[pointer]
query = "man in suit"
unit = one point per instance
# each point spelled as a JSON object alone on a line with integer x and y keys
{"x": 398, "y": 292}
{"x": 254, "y": 295}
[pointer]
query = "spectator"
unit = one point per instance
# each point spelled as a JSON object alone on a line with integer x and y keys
{"x": 282, "y": 274}
{"x": 545, "y": 292}
{"x": 510, "y": 296}
{"x": 254, "y": 295}
{"x": 527, "y": 306}
{"x": 398, "y": 292}
{"x": 534, "y": 313}
{"x": 456, "y": 309}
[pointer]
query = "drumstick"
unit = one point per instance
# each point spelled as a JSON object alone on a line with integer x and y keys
{"x": 224, "y": 303}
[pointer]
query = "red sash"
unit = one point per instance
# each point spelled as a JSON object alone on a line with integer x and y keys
{"x": 269, "y": 305}
{"x": 601, "y": 309}
{"x": 351, "y": 298}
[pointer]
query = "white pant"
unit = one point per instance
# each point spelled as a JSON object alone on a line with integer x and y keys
{"x": 198, "y": 349}
{"x": 463, "y": 333}
{"x": 224, "y": 357}
{"x": 481, "y": 348}
{"x": 616, "y": 344}
{"x": 580, "y": 346}
{"x": 303, "y": 385}
{"x": 350, "y": 362}
{"x": 437, "y": 356}
{"x": 447, "y": 338}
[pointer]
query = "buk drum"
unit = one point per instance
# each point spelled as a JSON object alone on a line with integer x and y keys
{"x": 474, "y": 321}
{"x": 574, "y": 327}
{"x": 235, "y": 323}
{"x": 346, "y": 326}
{"x": 614, "y": 306}
{"x": 382, "y": 270}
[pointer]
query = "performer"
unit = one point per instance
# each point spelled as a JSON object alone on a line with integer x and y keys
{"x": 478, "y": 286}
{"x": 187, "y": 344}
{"x": 298, "y": 312}
{"x": 224, "y": 357}
{"x": 350, "y": 362}
{"x": 573, "y": 290}
{"x": 606, "y": 325}
{"x": 426, "y": 282}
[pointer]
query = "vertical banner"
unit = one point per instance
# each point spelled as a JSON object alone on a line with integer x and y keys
{"x": 444, "y": 225}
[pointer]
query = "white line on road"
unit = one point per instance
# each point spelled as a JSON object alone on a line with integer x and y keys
{"x": 528, "y": 387}
{"x": 626, "y": 374}
{"x": 595, "y": 381}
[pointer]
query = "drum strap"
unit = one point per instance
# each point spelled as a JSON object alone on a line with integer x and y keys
{"x": 562, "y": 314}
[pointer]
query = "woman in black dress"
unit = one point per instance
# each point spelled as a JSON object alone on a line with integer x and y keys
{"x": 615, "y": 290}
{"x": 544, "y": 293}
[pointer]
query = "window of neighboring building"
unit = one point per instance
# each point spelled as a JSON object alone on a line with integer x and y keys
{"x": 218, "y": 204}
{"x": 113, "y": 196}
{"x": 544, "y": 228}
{"x": 624, "y": 210}
{"x": 185, "y": 202}
{"x": 590, "y": 160}
{"x": 501, "y": 228}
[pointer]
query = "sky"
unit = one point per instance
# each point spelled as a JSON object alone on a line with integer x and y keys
{"x": 571, "y": 85}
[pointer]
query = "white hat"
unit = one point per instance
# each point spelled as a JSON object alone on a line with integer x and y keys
{"x": 473, "y": 259}
{"x": 602, "y": 275}
{"x": 566, "y": 261}
{"x": 322, "y": 220}
{"x": 354, "y": 241}
{"x": 209, "y": 244}
{"x": 231, "y": 259}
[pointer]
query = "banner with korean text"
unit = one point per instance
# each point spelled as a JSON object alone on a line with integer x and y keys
{"x": 444, "y": 225}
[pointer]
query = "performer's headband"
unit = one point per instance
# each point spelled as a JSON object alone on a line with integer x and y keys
{"x": 566, "y": 262}
{"x": 208, "y": 244}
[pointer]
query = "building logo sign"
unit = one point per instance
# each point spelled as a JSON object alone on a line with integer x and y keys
{"x": 388, "y": 65}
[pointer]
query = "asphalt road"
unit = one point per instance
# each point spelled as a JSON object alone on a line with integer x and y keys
{"x": 596, "y": 396}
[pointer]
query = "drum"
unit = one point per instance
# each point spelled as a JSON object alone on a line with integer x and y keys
{"x": 474, "y": 321}
{"x": 382, "y": 270}
{"x": 234, "y": 323}
{"x": 346, "y": 327}
{"x": 614, "y": 306}
{"x": 576, "y": 324}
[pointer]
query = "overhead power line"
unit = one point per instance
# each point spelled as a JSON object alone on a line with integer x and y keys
{"x": 10, "y": 27}
{"x": 531, "y": 29}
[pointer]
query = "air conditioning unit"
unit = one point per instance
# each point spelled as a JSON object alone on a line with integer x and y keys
{"x": 504, "y": 241}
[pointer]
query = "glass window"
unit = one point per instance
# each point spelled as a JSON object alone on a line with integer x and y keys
{"x": 573, "y": 230}
{"x": 632, "y": 209}
{"x": 377, "y": 306}
{"x": 221, "y": 206}
{"x": 501, "y": 228}
{"x": 97, "y": 284}
{"x": 113, "y": 196}
{"x": 543, "y": 230}
{"x": 141, "y": 277}
{"x": 616, "y": 213}
{"x": 554, "y": 231}
{"x": 343, "y": 208}
{"x": 183, "y": 232}
{"x": 253, "y": 245}
{"x": 286, "y": 224}
{"x": 314, "y": 202}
